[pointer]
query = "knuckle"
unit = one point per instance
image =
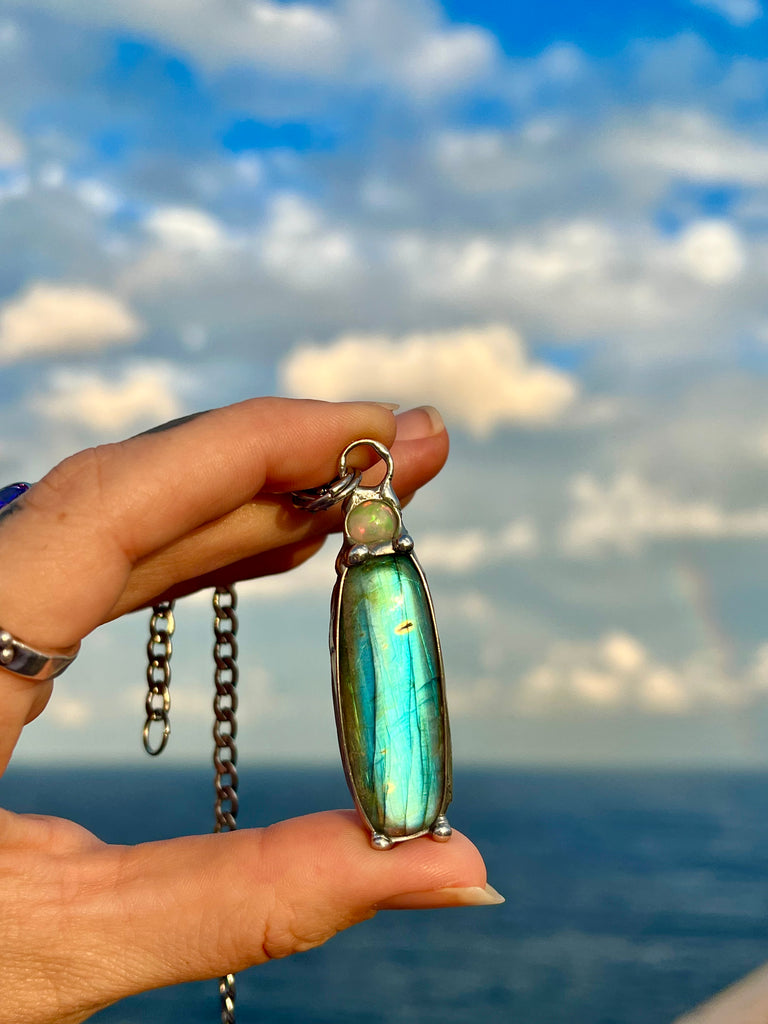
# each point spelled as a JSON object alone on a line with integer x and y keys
{"x": 290, "y": 929}
{"x": 77, "y": 476}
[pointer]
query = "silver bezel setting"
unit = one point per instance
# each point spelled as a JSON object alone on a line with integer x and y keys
{"x": 354, "y": 553}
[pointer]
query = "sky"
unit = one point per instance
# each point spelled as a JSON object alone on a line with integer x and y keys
{"x": 548, "y": 220}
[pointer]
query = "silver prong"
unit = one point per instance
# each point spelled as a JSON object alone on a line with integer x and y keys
{"x": 404, "y": 544}
{"x": 381, "y": 842}
{"x": 358, "y": 554}
{"x": 441, "y": 830}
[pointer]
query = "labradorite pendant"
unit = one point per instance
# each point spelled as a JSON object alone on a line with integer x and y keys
{"x": 388, "y": 684}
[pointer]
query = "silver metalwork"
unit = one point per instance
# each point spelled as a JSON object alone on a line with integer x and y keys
{"x": 159, "y": 651}
{"x": 26, "y": 661}
{"x": 225, "y": 750}
{"x": 158, "y": 701}
{"x": 441, "y": 830}
{"x": 318, "y": 499}
{"x": 355, "y": 553}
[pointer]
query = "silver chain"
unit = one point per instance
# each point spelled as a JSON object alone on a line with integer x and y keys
{"x": 158, "y": 700}
{"x": 158, "y": 706}
{"x": 224, "y": 735}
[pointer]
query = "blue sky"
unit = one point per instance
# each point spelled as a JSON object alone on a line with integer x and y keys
{"x": 555, "y": 218}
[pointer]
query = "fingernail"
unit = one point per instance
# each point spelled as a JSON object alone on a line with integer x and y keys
{"x": 473, "y": 896}
{"x": 389, "y": 406}
{"x": 425, "y": 421}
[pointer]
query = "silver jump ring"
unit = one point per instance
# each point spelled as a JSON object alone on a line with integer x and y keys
{"x": 318, "y": 499}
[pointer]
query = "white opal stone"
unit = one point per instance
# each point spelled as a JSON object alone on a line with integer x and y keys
{"x": 372, "y": 521}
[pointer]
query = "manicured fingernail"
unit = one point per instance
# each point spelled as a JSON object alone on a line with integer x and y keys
{"x": 425, "y": 421}
{"x": 473, "y": 896}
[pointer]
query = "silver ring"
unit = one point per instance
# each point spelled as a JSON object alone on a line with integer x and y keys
{"x": 15, "y": 655}
{"x": 318, "y": 499}
{"x": 23, "y": 660}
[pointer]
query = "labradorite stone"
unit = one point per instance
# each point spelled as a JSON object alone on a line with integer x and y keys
{"x": 390, "y": 695}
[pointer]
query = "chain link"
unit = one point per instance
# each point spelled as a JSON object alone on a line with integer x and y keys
{"x": 224, "y": 735}
{"x": 158, "y": 706}
{"x": 158, "y": 700}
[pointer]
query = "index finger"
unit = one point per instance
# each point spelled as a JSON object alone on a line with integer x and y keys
{"x": 82, "y": 527}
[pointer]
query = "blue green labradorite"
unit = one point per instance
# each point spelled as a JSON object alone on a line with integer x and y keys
{"x": 389, "y": 693}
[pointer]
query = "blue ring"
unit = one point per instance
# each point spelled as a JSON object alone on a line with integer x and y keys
{"x": 10, "y": 493}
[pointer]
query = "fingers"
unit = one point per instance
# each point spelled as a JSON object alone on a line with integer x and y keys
{"x": 264, "y": 536}
{"x": 84, "y": 526}
{"x": 213, "y": 903}
{"x": 149, "y": 582}
{"x": 164, "y": 513}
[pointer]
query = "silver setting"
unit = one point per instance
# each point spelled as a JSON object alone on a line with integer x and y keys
{"x": 23, "y": 660}
{"x": 353, "y": 553}
{"x": 381, "y": 842}
{"x": 358, "y": 554}
{"x": 441, "y": 831}
{"x": 318, "y": 499}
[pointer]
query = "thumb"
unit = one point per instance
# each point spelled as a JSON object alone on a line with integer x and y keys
{"x": 744, "y": 1002}
{"x": 199, "y": 907}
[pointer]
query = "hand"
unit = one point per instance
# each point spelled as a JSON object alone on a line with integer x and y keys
{"x": 744, "y": 1002}
{"x": 113, "y": 529}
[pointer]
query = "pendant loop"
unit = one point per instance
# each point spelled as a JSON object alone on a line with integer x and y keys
{"x": 381, "y": 450}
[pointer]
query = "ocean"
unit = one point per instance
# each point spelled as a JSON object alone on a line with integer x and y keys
{"x": 631, "y": 896}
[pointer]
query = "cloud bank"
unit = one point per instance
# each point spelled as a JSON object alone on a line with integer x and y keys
{"x": 49, "y": 319}
{"x": 480, "y": 377}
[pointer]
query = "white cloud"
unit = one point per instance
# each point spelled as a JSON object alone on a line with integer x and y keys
{"x": 463, "y": 551}
{"x": 628, "y": 512}
{"x": 12, "y": 149}
{"x": 529, "y": 240}
{"x": 617, "y": 673}
{"x": 737, "y": 12}
{"x": 299, "y": 247}
{"x": 711, "y": 251}
{"x": 481, "y": 377}
{"x": 446, "y": 61}
{"x": 10, "y": 35}
{"x": 50, "y": 318}
{"x": 485, "y": 160}
{"x": 406, "y": 44}
{"x": 69, "y": 712}
{"x": 297, "y": 37}
{"x": 451, "y": 552}
{"x": 98, "y": 196}
{"x": 688, "y": 144}
{"x": 145, "y": 393}
{"x": 186, "y": 229}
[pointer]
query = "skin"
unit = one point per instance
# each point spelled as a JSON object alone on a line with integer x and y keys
{"x": 113, "y": 529}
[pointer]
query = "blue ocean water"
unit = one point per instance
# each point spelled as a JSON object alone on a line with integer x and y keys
{"x": 630, "y": 896}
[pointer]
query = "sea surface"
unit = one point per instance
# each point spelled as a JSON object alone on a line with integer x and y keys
{"x": 630, "y": 896}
